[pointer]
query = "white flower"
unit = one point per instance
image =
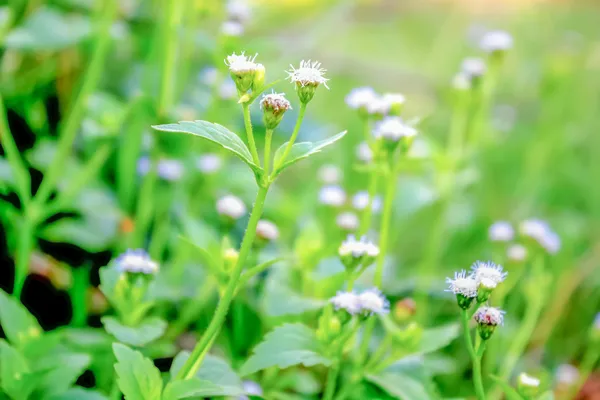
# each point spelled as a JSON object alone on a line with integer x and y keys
{"x": 136, "y": 261}
{"x": 496, "y": 41}
{"x": 501, "y": 231}
{"x": 360, "y": 200}
{"x": 332, "y": 195}
{"x": 330, "y": 174}
{"x": 551, "y": 242}
{"x": 394, "y": 99}
{"x": 462, "y": 284}
{"x": 393, "y": 129}
{"x": 309, "y": 73}
{"x": 364, "y": 152}
{"x": 238, "y": 10}
{"x": 567, "y": 374}
{"x": 347, "y": 221}
{"x": 239, "y": 64}
{"x": 170, "y": 170}
{"x": 373, "y": 302}
{"x": 473, "y": 67}
{"x": 487, "y": 283}
{"x": 360, "y": 98}
{"x": 251, "y": 388}
{"x": 227, "y": 90}
{"x": 267, "y": 230}
{"x": 541, "y": 232}
{"x": 489, "y": 316}
{"x": 209, "y": 163}
{"x": 516, "y": 252}
{"x": 488, "y": 270}
{"x": 378, "y": 106}
{"x": 461, "y": 81}
{"x": 348, "y": 301}
{"x": 528, "y": 380}
{"x": 232, "y": 28}
{"x": 231, "y": 206}
{"x": 357, "y": 248}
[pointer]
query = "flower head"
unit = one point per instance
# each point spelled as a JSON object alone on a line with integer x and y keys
{"x": 567, "y": 374}
{"x": 490, "y": 316}
{"x": 542, "y": 233}
{"x": 267, "y": 230}
{"x": 488, "y": 270}
{"x": 332, "y": 195}
{"x": 243, "y": 70}
{"x": 231, "y": 206}
{"x": 462, "y": 284}
{"x": 274, "y": 105}
{"x": 360, "y": 98}
{"x": 501, "y": 231}
{"x": 232, "y": 28}
{"x": 347, "y": 221}
{"x": 528, "y": 380}
{"x": 496, "y": 41}
{"x": 516, "y": 253}
{"x": 238, "y": 10}
{"x": 372, "y": 301}
{"x": 357, "y": 248}
{"x": 330, "y": 174}
{"x": 167, "y": 169}
{"x": 136, "y": 262}
{"x": 348, "y": 301}
{"x": 473, "y": 67}
{"x": 251, "y": 388}
{"x": 209, "y": 163}
{"x": 307, "y": 78}
{"x": 461, "y": 81}
{"x": 364, "y": 152}
{"x": 378, "y": 107}
{"x": 392, "y": 129}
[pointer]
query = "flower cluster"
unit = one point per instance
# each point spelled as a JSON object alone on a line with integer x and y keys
{"x": 369, "y": 103}
{"x": 369, "y": 302}
{"x": 531, "y": 231}
{"x": 541, "y": 232}
{"x": 245, "y": 72}
{"x": 136, "y": 262}
{"x": 238, "y": 13}
{"x": 167, "y": 169}
{"x": 354, "y": 253}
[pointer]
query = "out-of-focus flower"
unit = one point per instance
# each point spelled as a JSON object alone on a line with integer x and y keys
{"x": 348, "y": 221}
{"x": 232, "y": 28}
{"x": 136, "y": 262}
{"x": 541, "y": 232}
{"x": 528, "y": 385}
{"x": 392, "y": 129}
{"x": 330, "y": 174}
{"x": 516, "y": 252}
{"x": 209, "y": 163}
{"x": 168, "y": 169}
{"x": 395, "y": 102}
{"x": 496, "y": 41}
{"x": 364, "y": 152}
{"x": 378, "y": 107}
{"x": 267, "y": 230}
{"x": 332, "y": 195}
{"x": 239, "y": 10}
{"x": 360, "y": 98}
{"x": 566, "y": 374}
{"x": 251, "y": 388}
{"x": 231, "y": 206}
{"x": 461, "y": 81}
{"x": 358, "y": 248}
{"x": 227, "y": 90}
{"x": 488, "y": 271}
{"x": 372, "y": 301}
{"x": 347, "y": 301}
{"x": 473, "y": 67}
{"x": 501, "y": 231}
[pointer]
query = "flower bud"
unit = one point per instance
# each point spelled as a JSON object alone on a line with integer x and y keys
{"x": 395, "y": 103}
{"x": 307, "y": 78}
{"x": 405, "y": 309}
{"x": 335, "y": 325}
{"x": 488, "y": 318}
{"x": 464, "y": 287}
{"x": 354, "y": 252}
{"x": 231, "y": 207}
{"x": 259, "y": 77}
{"x": 136, "y": 262}
{"x": 393, "y": 131}
{"x": 267, "y": 231}
{"x": 274, "y": 105}
{"x": 528, "y": 386}
{"x": 486, "y": 287}
{"x": 230, "y": 258}
{"x": 243, "y": 71}
{"x": 409, "y": 337}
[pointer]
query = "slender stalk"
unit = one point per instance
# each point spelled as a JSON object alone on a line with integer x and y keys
{"x": 288, "y": 148}
{"x": 249, "y": 134}
{"x": 475, "y": 358}
{"x": 195, "y": 360}
{"x": 68, "y": 131}
{"x": 331, "y": 381}
{"x": 169, "y": 57}
{"x": 386, "y": 221}
{"x": 267, "y": 155}
{"x": 23, "y": 180}
{"x": 78, "y": 296}
{"x": 24, "y": 248}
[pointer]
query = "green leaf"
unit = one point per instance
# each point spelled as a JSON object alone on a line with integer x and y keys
{"x": 401, "y": 386}
{"x": 287, "y": 345}
{"x": 549, "y": 395}
{"x": 147, "y": 331}
{"x": 280, "y": 300}
{"x": 78, "y": 394}
{"x": 49, "y": 29}
{"x": 215, "y": 133}
{"x": 511, "y": 393}
{"x": 196, "y": 388}
{"x": 7, "y": 178}
{"x": 436, "y": 338}
{"x": 18, "y": 324}
{"x": 59, "y": 372}
{"x": 14, "y": 373}
{"x": 214, "y": 370}
{"x": 137, "y": 376}
{"x": 302, "y": 150}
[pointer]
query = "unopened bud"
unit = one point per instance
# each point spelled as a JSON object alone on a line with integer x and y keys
{"x": 405, "y": 309}
{"x": 409, "y": 337}
{"x": 259, "y": 77}
{"x": 528, "y": 386}
{"x": 243, "y": 70}
{"x": 486, "y": 287}
{"x": 274, "y": 105}
{"x": 230, "y": 257}
{"x": 267, "y": 231}
{"x": 488, "y": 318}
{"x": 335, "y": 325}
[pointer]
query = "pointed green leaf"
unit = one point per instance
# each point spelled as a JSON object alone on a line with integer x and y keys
{"x": 401, "y": 386}
{"x": 197, "y": 388}
{"x": 287, "y": 345}
{"x": 215, "y": 133}
{"x": 59, "y": 372}
{"x": 509, "y": 391}
{"x": 214, "y": 371}
{"x": 78, "y": 394}
{"x": 436, "y": 338}
{"x": 302, "y": 150}
{"x": 14, "y": 372}
{"x": 147, "y": 331}
{"x": 18, "y": 324}
{"x": 137, "y": 376}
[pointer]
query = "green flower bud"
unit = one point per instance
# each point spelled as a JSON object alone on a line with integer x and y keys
{"x": 404, "y": 309}
{"x": 464, "y": 302}
{"x": 243, "y": 71}
{"x": 274, "y": 105}
{"x": 259, "y": 77}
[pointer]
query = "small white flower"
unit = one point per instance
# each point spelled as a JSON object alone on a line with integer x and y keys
{"x": 231, "y": 206}
{"x": 461, "y": 81}
{"x": 516, "y": 252}
{"x": 348, "y": 221}
{"x": 360, "y": 98}
{"x": 488, "y": 270}
{"x": 267, "y": 230}
{"x": 348, "y": 301}
{"x": 209, "y": 163}
{"x": 496, "y": 41}
{"x": 378, "y": 106}
{"x": 136, "y": 261}
{"x": 238, "y": 10}
{"x": 393, "y": 129}
{"x": 232, "y": 28}
{"x": 227, "y": 90}
{"x": 473, "y": 67}
{"x": 374, "y": 302}
{"x": 528, "y": 380}
{"x": 462, "y": 284}
{"x": 330, "y": 174}
{"x": 309, "y": 73}
{"x": 364, "y": 152}
{"x": 534, "y": 228}
{"x": 394, "y": 99}
{"x": 567, "y": 374}
{"x": 489, "y": 316}
{"x": 169, "y": 169}
{"x": 360, "y": 200}
{"x": 551, "y": 242}
{"x": 332, "y": 195}
{"x": 358, "y": 248}
{"x": 501, "y": 231}
{"x": 241, "y": 63}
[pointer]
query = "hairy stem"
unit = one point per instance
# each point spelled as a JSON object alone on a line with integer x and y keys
{"x": 249, "y": 133}
{"x": 288, "y": 148}
{"x": 475, "y": 357}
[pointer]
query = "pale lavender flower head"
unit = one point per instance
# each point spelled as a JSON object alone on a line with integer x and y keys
{"x": 496, "y": 41}
{"x": 360, "y": 98}
{"x": 567, "y": 374}
{"x": 358, "y": 248}
{"x": 483, "y": 271}
{"x": 473, "y": 67}
{"x": 372, "y": 301}
{"x": 267, "y": 230}
{"x": 378, "y": 106}
{"x": 169, "y": 169}
{"x": 348, "y": 221}
{"x": 232, "y": 28}
{"x": 489, "y": 316}
{"x": 516, "y": 253}
{"x": 501, "y": 231}
{"x": 462, "y": 284}
{"x": 332, "y": 195}
{"x": 348, "y": 301}
{"x": 239, "y": 10}
{"x": 251, "y": 388}
{"x": 364, "y": 152}
{"x": 136, "y": 262}
{"x": 209, "y": 163}
{"x": 393, "y": 129}
{"x": 330, "y": 174}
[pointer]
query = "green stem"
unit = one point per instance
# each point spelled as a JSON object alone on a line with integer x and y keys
{"x": 386, "y": 221}
{"x": 69, "y": 130}
{"x": 169, "y": 58}
{"x": 81, "y": 281}
{"x": 249, "y": 133}
{"x": 475, "y": 358}
{"x": 331, "y": 381}
{"x": 383, "y": 349}
{"x": 365, "y": 221}
{"x": 195, "y": 360}
{"x": 23, "y": 180}
{"x": 477, "y": 378}
{"x": 290, "y": 143}
{"x": 24, "y": 248}
{"x": 267, "y": 155}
